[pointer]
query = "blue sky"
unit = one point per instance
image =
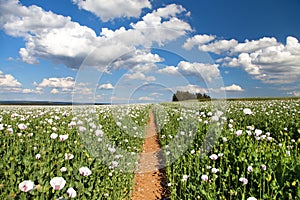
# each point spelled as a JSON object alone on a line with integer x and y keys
{"x": 142, "y": 51}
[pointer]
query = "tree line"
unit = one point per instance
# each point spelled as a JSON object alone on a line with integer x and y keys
{"x": 184, "y": 95}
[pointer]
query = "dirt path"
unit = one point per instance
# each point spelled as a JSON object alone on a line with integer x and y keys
{"x": 150, "y": 180}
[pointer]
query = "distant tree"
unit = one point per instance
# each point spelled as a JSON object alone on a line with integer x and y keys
{"x": 199, "y": 95}
{"x": 185, "y": 95}
{"x": 174, "y": 98}
{"x": 205, "y": 96}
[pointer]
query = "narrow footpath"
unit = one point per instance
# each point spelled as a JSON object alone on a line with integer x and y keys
{"x": 150, "y": 180}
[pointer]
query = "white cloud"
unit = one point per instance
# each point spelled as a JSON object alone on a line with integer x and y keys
{"x": 154, "y": 19}
{"x": 254, "y": 45}
{"x": 84, "y": 90}
{"x": 208, "y": 72}
{"x": 228, "y": 61}
{"x": 107, "y": 86}
{"x": 145, "y": 57}
{"x": 218, "y": 46}
{"x": 155, "y": 27}
{"x": 171, "y": 70}
{"x": 192, "y": 89}
{"x": 198, "y": 40}
{"x": 155, "y": 94}
{"x": 146, "y": 99}
{"x": 138, "y": 61}
{"x": 7, "y": 81}
{"x": 28, "y": 91}
{"x": 68, "y": 45}
{"x": 65, "y": 82}
{"x": 279, "y": 64}
{"x": 48, "y": 35}
{"x": 139, "y": 76}
{"x": 232, "y": 88}
{"x": 265, "y": 59}
{"x": 54, "y": 91}
{"x": 18, "y": 20}
{"x": 64, "y": 85}
{"x": 231, "y": 46}
{"x": 58, "y": 39}
{"x": 107, "y": 10}
{"x": 143, "y": 68}
{"x": 169, "y": 11}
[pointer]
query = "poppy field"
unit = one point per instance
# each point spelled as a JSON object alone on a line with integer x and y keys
{"x": 43, "y": 155}
{"x": 255, "y": 154}
{"x": 246, "y": 150}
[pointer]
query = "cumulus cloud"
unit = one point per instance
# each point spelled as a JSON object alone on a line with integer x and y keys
{"x": 170, "y": 70}
{"x": 208, "y": 72}
{"x": 204, "y": 43}
{"x": 192, "y": 88}
{"x": 137, "y": 61}
{"x": 279, "y": 64}
{"x": 106, "y": 86}
{"x": 218, "y": 46}
{"x": 48, "y": 35}
{"x": 17, "y": 20}
{"x": 254, "y": 45}
{"x": 169, "y": 11}
{"x": 59, "y": 39}
{"x": 139, "y": 76}
{"x": 54, "y": 91}
{"x": 107, "y": 10}
{"x": 159, "y": 26}
{"x": 27, "y": 91}
{"x": 197, "y": 40}
{"x": 63, "y": 85}
{"x": 8, "y": 81}
{"x": 65, "y": 82}
{"x": 232, "y": 88}
{"x": 265, "y": 59}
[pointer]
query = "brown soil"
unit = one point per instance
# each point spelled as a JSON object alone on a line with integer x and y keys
{"x": 150, "y": 179}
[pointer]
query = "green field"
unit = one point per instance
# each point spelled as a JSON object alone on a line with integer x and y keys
{"x": 233, "y": 150}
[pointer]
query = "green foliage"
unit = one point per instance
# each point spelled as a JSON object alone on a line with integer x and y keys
{"x": 191, "y": 135}
{"x": 19, "y": 148}
{"x": 276, "y": 147}
{"x": 184, "y": 95}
